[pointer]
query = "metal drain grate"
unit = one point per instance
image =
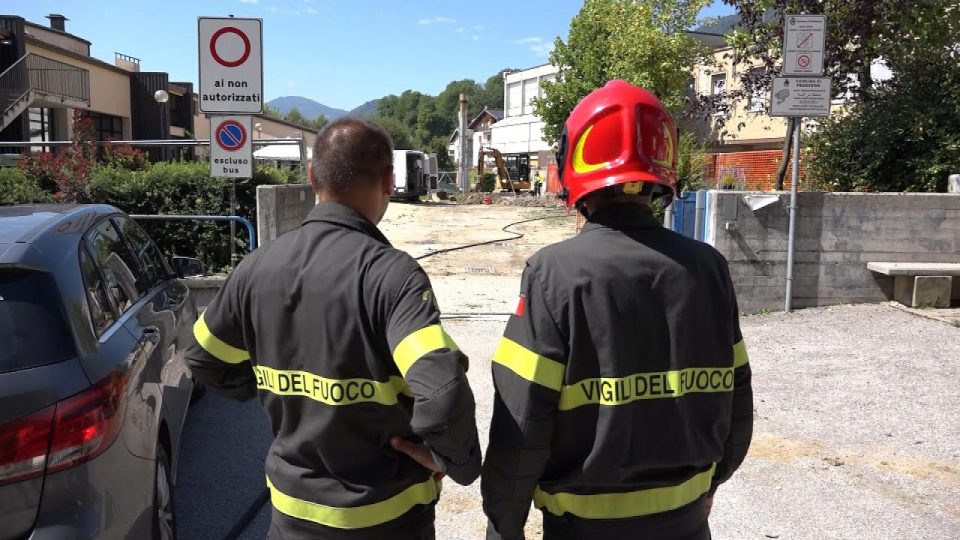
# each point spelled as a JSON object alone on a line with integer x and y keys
{"x": 480, "y": 270}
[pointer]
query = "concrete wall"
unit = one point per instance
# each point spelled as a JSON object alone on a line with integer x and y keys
{"x": 837, "y": 234}
{"x": 281, "y": 209}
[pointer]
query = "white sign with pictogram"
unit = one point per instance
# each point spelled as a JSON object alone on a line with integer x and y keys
{"x": 803, "y": 44}
{"x": 800, "y": 96}
{"x": 231, "y": 147}
{"x": 231, "y": 65}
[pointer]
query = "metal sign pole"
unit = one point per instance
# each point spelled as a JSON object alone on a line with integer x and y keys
{"x": 233, "y": 224}
{"x": 791, "y": 239}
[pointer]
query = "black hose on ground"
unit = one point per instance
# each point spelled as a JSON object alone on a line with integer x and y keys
{"x": 504, "y": 229}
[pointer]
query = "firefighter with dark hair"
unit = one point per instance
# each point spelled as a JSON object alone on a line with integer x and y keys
{"x": 338, "y": 334}
{"x": 623, "y": 395}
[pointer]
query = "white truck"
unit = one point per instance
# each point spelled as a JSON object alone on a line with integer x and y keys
{"x": 411, "y": 176}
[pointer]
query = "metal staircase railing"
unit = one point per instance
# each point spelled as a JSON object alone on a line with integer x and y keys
{"x": 34, "y": 76}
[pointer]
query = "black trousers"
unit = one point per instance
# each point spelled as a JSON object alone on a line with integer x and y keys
{"x": 417, "y": 524}
{"x": 686, "y": 523}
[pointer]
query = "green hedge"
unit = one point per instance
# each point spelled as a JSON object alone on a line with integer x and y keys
{"x": 185, "y": 188}
{"x": 16, "y": 188}
{"x": 166, "y": 188}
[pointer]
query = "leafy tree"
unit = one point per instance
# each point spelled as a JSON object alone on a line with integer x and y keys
{"x": 319, "y": 122}
{"x": 399, "y": 133}
{"x": 858, "y": 34}
{"x": 294, "y": 115}
{"x": 641, "y": 42}
{"x": 900, "y": 139}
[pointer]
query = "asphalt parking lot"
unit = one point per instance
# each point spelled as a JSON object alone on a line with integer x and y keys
{"x": 856, "y": 435}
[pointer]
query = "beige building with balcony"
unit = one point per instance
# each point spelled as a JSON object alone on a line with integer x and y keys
{"x": 47, "y": 74}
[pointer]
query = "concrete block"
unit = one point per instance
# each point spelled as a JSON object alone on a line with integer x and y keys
{"x": 923, "y": 291}
{"x": 932, "y": 291}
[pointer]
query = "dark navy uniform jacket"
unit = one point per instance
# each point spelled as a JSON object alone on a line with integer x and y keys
{"x": 623, "y": 394}
{"x": 338, "y": 335}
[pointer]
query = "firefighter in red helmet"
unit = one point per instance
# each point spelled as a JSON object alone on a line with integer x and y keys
{"x": 623, "y": 395}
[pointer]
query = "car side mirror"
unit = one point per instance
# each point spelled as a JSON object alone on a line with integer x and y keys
{"x": 186, "y": 267}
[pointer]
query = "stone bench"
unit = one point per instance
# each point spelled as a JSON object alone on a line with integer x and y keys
{"x": 919, "y": 284}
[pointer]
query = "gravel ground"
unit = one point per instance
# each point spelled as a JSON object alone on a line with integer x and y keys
{"x": 857, "y": 429}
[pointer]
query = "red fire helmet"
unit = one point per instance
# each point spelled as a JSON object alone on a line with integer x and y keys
{"x": 618, "y": 134}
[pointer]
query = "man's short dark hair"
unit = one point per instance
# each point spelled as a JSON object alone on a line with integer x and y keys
{"x": 350, "y": 152}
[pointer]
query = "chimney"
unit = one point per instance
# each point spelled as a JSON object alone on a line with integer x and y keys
{"x": 58, "y": 22}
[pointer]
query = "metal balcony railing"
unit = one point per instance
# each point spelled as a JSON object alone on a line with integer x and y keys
{"x": 44, "y": 76}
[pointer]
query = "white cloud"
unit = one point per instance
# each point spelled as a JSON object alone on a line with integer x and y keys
{"x": 475, "y": 37}
{"x": 291, "y": 84}
{"x": 437, "y": 20}
{"x": 273, "y": 9}
{"x": 249, "y": 1}
{"x": 311, "y": 11}
{"x": 479, "y": 28}
{"x": 537, "y": 45}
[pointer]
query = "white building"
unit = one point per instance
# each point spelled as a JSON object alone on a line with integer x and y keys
{"x": 521, "y": 131}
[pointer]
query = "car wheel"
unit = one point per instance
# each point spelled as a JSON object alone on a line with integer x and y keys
{"x": 164, "y": 523}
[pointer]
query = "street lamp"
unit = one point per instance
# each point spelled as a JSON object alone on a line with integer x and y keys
{"x": 161, "y": 97}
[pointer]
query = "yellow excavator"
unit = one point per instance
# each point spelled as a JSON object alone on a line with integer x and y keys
{"x": 503, "y": 172}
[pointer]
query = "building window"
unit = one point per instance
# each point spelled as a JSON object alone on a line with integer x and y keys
{"x": 718, "y": 89}
{"x": 41, "y": 127}
{"x": 106, "y": 127}
{"x": 758, "y": 98}
{"x": 718, "y": 84}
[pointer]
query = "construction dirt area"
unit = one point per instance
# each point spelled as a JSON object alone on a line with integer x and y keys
{"x": 857, "y": 407}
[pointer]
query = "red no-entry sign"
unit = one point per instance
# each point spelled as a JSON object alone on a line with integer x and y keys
{"x": 231, "y": 65}
{"x": 215, "y": 40}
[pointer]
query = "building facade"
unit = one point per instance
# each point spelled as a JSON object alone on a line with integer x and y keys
{"x": 48, "y": 78}
{"x": 521, "y": 130}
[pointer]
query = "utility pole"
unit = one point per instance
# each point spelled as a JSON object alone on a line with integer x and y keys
{"x": 463, "y": 172}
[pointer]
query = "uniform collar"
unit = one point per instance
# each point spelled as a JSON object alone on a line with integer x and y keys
{"x": 623, "y": 217}
{"x": 339, "y": 214}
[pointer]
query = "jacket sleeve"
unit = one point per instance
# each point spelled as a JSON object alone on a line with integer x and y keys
{"x": 528, "y": 370}
{"x": 217, "y": 355}
{"x": 741, "y": 420}
{"x": 436, "y": 372}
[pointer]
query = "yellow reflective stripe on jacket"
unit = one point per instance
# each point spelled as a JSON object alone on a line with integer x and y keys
{"x": 419, "y": 343}
{"x": 529, "y": 365}
{"x": 654, "y": 385}
{"x": 626, "y": 505}
{"x": 330, "y": 391}
{"x": 215, "y": 346}
{"x": 358, "y": 516}
{"x": 740, "y": 357}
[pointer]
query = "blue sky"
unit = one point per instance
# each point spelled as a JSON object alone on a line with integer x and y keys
{"x": 340, "y": 53}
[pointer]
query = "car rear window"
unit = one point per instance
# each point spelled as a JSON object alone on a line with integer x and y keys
{"x": 32, "y": 330}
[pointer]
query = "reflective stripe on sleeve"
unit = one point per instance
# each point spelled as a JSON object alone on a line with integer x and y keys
{"x": 529, "y": 365}
{"x": 626, "y": 505}
{"x": 655, "y": 385}
{"x": 740, "y": 357}
{"x": 329, "y": 391}
{"x": 358, "y": 516}
{"x": 215, "y": 346}
{"x": 419, "y": 343}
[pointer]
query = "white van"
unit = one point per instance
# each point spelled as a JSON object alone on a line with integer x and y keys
{"x": 410, "y": 174}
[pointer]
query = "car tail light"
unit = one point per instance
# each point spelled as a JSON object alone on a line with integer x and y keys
{"x": 69, "y": 433}
{"x": 23, "y": 446}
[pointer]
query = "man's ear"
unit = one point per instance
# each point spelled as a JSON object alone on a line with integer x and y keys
{"x": 311, "y": 178}
{"x": 386, "y": 183}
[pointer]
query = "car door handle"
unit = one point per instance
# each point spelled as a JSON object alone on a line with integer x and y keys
{"x": 152, "y": 335}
